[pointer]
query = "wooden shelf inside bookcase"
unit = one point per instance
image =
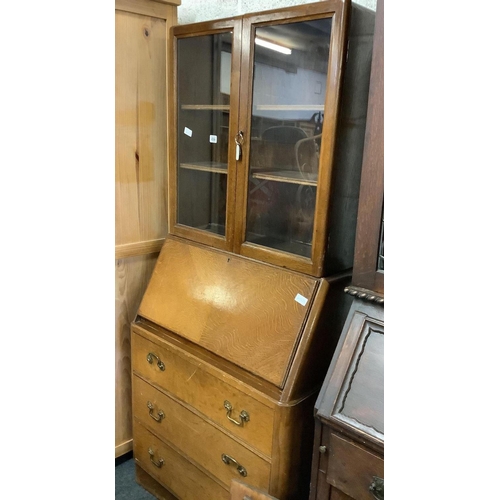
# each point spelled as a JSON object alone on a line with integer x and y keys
{"x": 206, "y": 166}
{"x": 289, "y": 107}
{"x": 209, "y": 107}
{"x": 289, "y": 176}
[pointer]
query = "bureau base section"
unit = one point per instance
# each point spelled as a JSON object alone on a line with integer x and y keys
{"x": 152, "y": 485}
{"x": 180, "y": 477}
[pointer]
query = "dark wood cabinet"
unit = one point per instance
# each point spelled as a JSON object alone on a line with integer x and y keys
{"x": 348, "y": 451}
{"x": 348, "y": 457}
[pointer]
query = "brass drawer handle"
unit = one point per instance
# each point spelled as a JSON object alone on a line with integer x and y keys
{"x": 230, "y": 460}
{"x": 377, "y": 488}
{"x": 151, "y": 455}
{"x": 244, "y": 416}
{"x": 160, "y": 364}
{"x": 160, "y": 416}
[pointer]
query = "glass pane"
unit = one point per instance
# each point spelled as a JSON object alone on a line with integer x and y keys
{"x": 203, "y": 85}
{"x": 290, "y": 73}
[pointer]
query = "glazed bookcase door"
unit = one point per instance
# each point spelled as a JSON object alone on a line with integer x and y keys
{"x": 286, "y": 173}
{"x": 204, "y": 104}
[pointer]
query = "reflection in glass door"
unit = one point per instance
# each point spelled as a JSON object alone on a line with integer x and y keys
{"x": 289, "y": 86}
{"x": 203, "y": 86}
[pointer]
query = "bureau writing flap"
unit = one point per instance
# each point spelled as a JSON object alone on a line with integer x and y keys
{"x": 248, "y": 312}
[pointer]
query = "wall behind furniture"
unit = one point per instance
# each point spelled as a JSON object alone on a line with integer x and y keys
{"x": 193, "y": 11}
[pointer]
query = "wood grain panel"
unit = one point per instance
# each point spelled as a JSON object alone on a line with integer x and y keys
{"x": 152, "y": 485}
{"x": 140, "y": 107}
{"x": 156, "y": 8}
{"x": 351, "y": 469}
{"x": 131, "y": 278}
{"x": 139, "y": 248}
{"x": 191, "y": 383}
{"x": 361, "y": 399}
{"x": 371, "y": 197}
{"x": 293, "y": 437}
{"x": 177, "y": 474}
{"x": 197, "y": 438}
{"x": 242, "y": 310}
{"x": 232, "y": 375}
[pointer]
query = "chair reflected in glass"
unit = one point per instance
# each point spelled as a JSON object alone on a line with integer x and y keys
{"x": 284, "y": 173}
{"x": 290, "y": 149}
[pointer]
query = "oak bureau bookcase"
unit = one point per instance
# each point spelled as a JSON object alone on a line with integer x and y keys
{"x": 244, "y": 308}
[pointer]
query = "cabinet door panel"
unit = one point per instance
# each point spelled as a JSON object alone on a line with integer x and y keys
{"x": 205, "y": 115}
{"x": 288, "y": 97}
{"x": 290, "y": 77}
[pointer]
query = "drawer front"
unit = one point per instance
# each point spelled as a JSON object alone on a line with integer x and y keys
{"x": 172, "y": 470}
{"x": 196, "y": 438}
{"x": 187, "y": 381}
{"x": 352, "y": 469}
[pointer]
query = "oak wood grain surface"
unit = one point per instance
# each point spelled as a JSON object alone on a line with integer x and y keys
{"x": 242, "y": 310}
{"x": 191, "y": 383}
{"x": 178, "y": 474}
{"x": 201, "y": 441}
{"x": 152, "y": 485}
{"x": 217, "y": 367}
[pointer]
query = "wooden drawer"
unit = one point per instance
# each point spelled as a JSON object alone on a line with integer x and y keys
{"x": 188, "y": 381}
{"x": 352, "y": 469}
{"x": 197, "y": 438}
{"x": 176, "y": 473}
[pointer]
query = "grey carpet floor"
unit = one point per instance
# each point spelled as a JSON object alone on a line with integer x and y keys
{"x": 125, "y": 486}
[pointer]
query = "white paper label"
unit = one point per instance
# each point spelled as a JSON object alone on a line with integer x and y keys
{"x": 188, "y": 131}
{"x": 300, "y": 299}
{"x": 213, "y": 139}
